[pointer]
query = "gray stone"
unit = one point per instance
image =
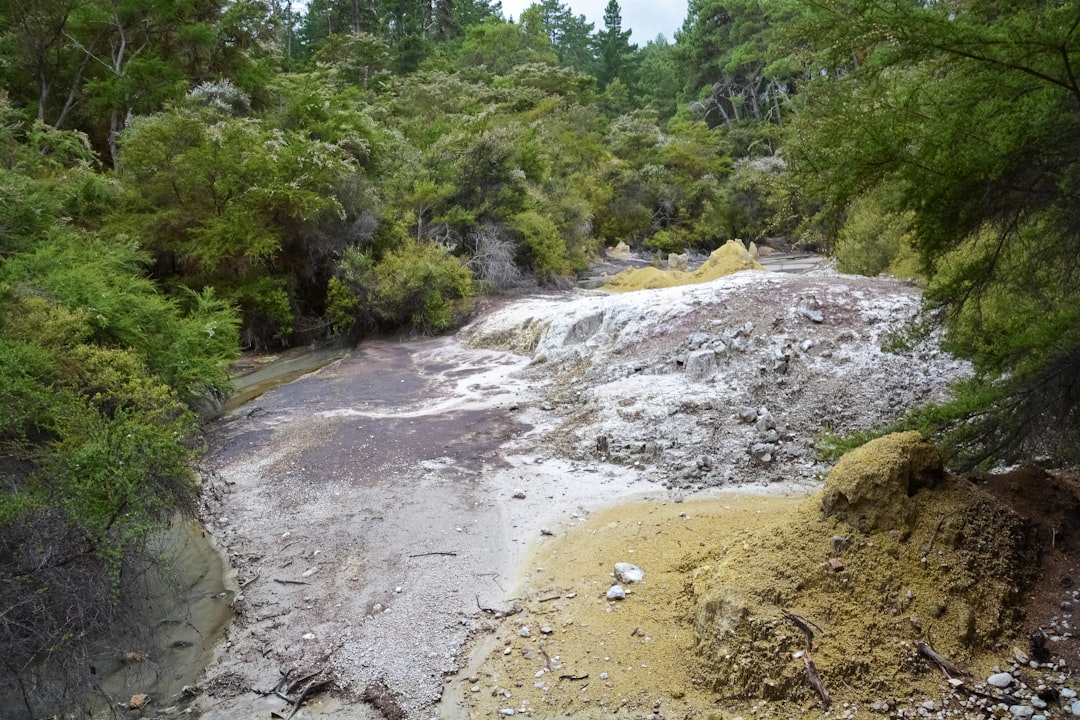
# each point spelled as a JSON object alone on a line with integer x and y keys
{"x": 1075, "y": 707}
{"x": 747, "y": 414}
{"x": 701, "y": 365}
{"x": 813, "y": 316}
{"x": 615, "y": 592}
{"x": 628, "y": 573}
{"x": 1000, "y": 680}
{"x": 765, "y": 421}
{"x": 1021, "y": 711}
{"x": 698, "y": 339}
{"x": 763, "y": 452}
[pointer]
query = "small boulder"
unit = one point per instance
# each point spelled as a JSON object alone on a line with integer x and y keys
{"x": 615, "y": 592}
{"x": 701, "y": 365}
{"x": 138, "y": 701}
{"x": 1000, "y": 680}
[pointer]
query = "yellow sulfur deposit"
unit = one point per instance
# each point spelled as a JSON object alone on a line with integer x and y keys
{"x": 730, "y": 258}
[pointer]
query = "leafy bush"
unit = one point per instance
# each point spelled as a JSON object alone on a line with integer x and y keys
{"x": 544, "y": 249}
{"x": 417, "y": 283}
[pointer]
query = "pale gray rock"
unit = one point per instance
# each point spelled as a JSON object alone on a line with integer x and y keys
{"x": 628, "y": 573}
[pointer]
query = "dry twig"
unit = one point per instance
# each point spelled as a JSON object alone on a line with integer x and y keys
{"x": 815, "y": 681}
{"x": 941, "y": 661}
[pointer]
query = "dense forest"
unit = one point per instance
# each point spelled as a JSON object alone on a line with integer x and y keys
{"x": 184, "y": 179}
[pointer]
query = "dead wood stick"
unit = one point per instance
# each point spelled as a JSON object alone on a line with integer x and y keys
{"x": 428, "y": 554}
{"x": 300, "y": 681}
{"x": 930, "y": 545}
{"x": 285, "y": 581}
{"x": 250, "y": 580}
{"x": 803, "y": 624}
{"x": 574, "y": 677}
{"x": 815, "y": 680}
{"x": 941, "y": 661}
{"x": 310, "y": 689}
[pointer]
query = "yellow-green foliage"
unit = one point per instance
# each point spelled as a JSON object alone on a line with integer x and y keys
{"x": 874, "y": 241}
{"x": 543, "y": 245}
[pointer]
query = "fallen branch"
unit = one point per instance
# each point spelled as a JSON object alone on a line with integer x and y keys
{"x": 250, "y": 580}
{"x": 428, "y": 554}
{"x": 803, "y": 624}
{"x": 941, "y": 661}
{"x": 815, "y": 681}
{"x": 574, "y": 677}
{"x": 309, "y": 690}
{"x": 284, "y": 581}
{"x": 930, "y": 545}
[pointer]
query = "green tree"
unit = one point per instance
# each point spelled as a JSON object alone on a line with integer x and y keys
{"x": 570, "y": 35}
{"x": 220, "y": 203}
{"x": 660, "y": 77}
{"x": 615, "y": 56}
{"x": 967, "y": 116}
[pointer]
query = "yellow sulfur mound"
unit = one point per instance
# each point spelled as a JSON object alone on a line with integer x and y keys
{"x": 730, "y": 258}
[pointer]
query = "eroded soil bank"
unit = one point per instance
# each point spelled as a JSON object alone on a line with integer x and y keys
{"x": 378, "y": 512}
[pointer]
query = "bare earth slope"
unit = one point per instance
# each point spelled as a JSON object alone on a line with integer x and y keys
{"x": 376, "y": 513}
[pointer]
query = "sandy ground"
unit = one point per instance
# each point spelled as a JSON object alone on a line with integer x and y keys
{"x": 377, "y": 514}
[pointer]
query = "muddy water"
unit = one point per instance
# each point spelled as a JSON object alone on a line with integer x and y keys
{"x": 269, "y": 373}
{"x": 185, "y": 611}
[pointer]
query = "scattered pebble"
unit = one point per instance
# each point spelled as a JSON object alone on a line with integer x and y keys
{"x": 616, "y": 592}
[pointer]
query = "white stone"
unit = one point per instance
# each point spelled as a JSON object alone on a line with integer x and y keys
{"x": 1000, "y": 680}
{"x": 1022, "y": 711}
{"x": 628, "y": 573}
{"x": 615, "y": 592}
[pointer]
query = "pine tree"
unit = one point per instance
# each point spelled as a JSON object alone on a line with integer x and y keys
{"x": 614, "y": 53}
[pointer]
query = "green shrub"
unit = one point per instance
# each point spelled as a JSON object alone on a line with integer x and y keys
{"x": 544, "y": 248}
{"x": 419, "y": 284}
